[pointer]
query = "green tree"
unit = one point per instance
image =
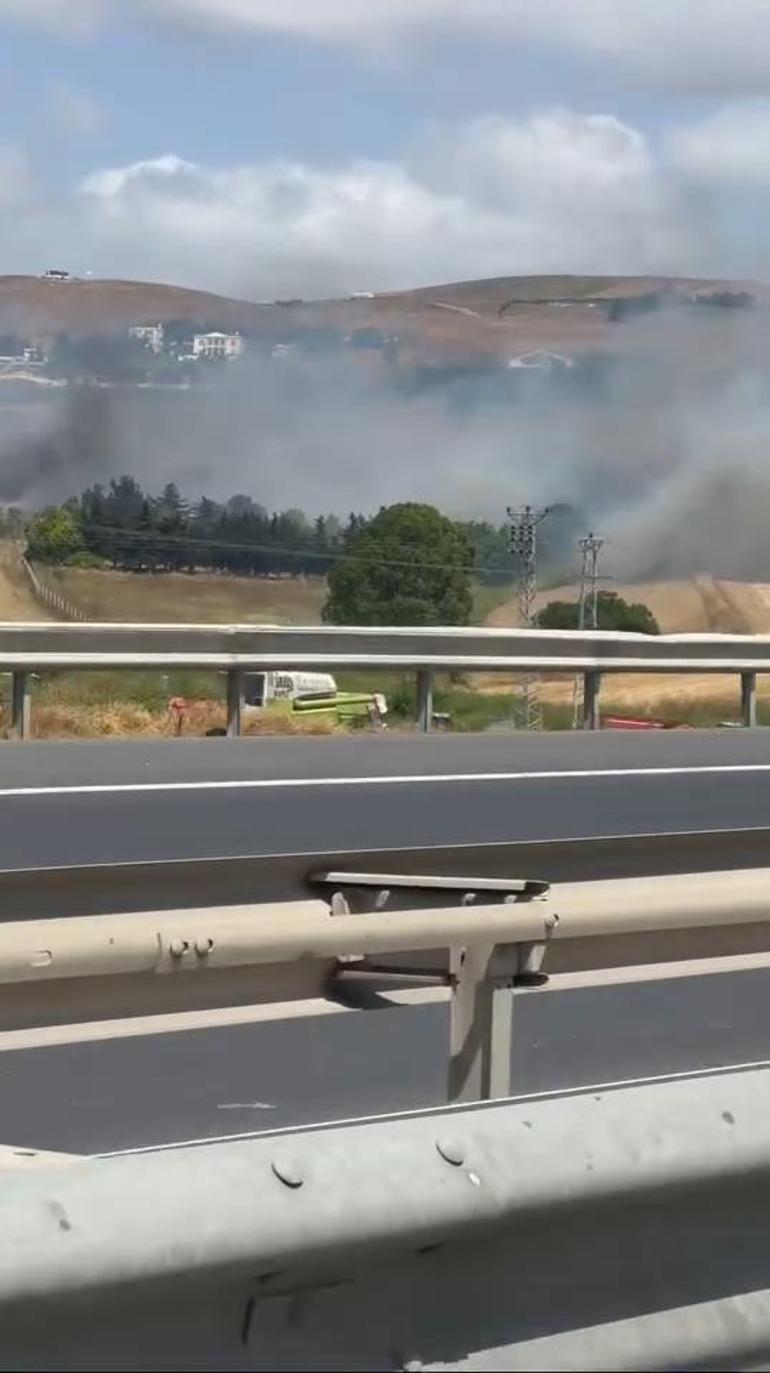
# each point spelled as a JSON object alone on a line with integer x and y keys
{"x": 614, "y": 613}
{"x": 409, "y": 566}
{"x": 55, "y": 536}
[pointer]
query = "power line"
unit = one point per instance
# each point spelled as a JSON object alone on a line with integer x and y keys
{"x": 588, "y": 605}
{"x": 524, "y": 525}
{"x": 591, "y": 549}
{"x": 155, "y": 536}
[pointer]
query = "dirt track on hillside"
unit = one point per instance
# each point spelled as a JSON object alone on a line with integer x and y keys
{"x": 16, "y": 599}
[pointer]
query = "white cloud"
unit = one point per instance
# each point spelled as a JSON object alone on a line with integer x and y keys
{"x": 730, "y": 146}
{"x": 714, "y": 44}
{"x": 557, "y": 191}
{"x": 76, "y": 17}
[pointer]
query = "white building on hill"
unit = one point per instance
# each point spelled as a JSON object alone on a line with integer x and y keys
{"x": 216, "y": 345}
{"x": 151, "y": 335}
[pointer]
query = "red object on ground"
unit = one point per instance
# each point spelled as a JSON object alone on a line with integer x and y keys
{"x": 628, "y": 722}
{"x": 177, "y": 708}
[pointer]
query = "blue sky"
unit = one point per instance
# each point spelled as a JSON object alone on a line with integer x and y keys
{"x": 256, "y": 95}
{"x": 317, "y": 146}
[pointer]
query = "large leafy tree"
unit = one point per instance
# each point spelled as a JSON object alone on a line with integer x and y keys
{"x": 614, "y": 613}
{"x": 55, "y": 536}
{"x": 409, "y": 566}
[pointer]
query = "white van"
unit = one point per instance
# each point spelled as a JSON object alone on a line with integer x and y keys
{"x": 263, "y": 687}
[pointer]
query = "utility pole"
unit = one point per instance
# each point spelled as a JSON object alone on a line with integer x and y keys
{"x": 591, "y": 548}
{"x": 588, "y": 606}
{"x": 524, "y": 525}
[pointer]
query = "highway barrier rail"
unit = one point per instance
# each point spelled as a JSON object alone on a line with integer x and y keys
{"x": 612, "y": 1228}
{"x": 26, "y": 649}
{"x": 361, "y": 936}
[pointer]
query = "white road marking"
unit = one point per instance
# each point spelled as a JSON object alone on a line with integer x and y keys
{"x": 594, "y": 979}
{"x": 582, "y": 1089}
{"x": 245, "y": 1106}
{"x": 231, "y": 1017}
{"x": 400, "y": 780}
{"x": 179, "y": 1022}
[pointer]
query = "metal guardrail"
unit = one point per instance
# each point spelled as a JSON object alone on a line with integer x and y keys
{"x": 608, "y": 1228}
{"x": 238, "y": 649}
{"x": 178, "y": 883}
{"x": 366, "y": 933}
{"x": 616, "y": 1228}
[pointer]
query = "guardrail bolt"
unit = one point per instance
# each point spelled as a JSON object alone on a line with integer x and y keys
{"x": 203, "y": 947}
{"x": 288, "y": 1172}
{"x": 178, "y": 948}
{"x": 452, "y": 1151}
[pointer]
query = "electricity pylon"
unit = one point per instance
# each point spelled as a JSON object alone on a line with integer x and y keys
{"x": 524, "y": 525}
{"x": 588, "y": 606}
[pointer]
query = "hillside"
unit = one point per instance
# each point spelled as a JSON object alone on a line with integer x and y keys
{"x": 109, "y": 704}
{"x": 33, "y": 306}
{"x": 16, "y": 600}
{"x": 175, "y": 598}
{"x": 458, "y": 322}
{"x": 689, "y": 606}
{"x": 697, "y": 605}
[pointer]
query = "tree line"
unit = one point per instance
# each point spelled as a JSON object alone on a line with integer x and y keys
{"x": 125, "y": 527}
{"x": 407, "y": 565}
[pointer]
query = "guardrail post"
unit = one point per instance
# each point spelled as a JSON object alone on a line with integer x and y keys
{"x": 481, "y": 1027}
{"x": 425, "y": 701}
{"x": 21, "y": 706}
{"x": 749, "y": 699}
{"x": 235, "y": 695}
{"x": 592, "y": 682}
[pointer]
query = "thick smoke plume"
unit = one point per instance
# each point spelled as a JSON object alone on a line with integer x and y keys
{"x": 664, "y": 443}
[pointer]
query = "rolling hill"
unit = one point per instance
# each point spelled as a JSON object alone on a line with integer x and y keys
{"x": 694, "y": 605}
{"x": 456, "y": 322}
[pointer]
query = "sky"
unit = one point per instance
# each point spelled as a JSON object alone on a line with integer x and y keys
{"x": 315, "y": 147}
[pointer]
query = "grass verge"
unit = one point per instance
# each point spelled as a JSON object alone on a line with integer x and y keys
{"x": 117, "y": 704}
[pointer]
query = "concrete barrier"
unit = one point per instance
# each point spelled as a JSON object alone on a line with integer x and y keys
{"x": 623, "y": 1228}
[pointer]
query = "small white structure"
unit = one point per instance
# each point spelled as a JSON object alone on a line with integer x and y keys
{"x": 540, "y": 361}
{"x": 216, "y": 345}
{"x": 56, "y": 274}
{"x": 150, "y": 335}
{"x": 262, "y": 687}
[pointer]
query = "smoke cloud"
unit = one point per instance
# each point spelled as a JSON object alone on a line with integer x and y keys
{"x": 663, "y": 444}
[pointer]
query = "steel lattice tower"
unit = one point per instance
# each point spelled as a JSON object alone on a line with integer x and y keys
{"x": 588, "y": 606}
{"x": 524, "y": 525}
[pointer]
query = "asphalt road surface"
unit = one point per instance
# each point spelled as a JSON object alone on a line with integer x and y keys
{"x": 130, "y": 802}
{"x": 123, "y": 1094}
{"x": 123, "y": 762}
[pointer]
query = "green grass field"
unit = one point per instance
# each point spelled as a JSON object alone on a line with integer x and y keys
{"x": 85, "y": 704}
